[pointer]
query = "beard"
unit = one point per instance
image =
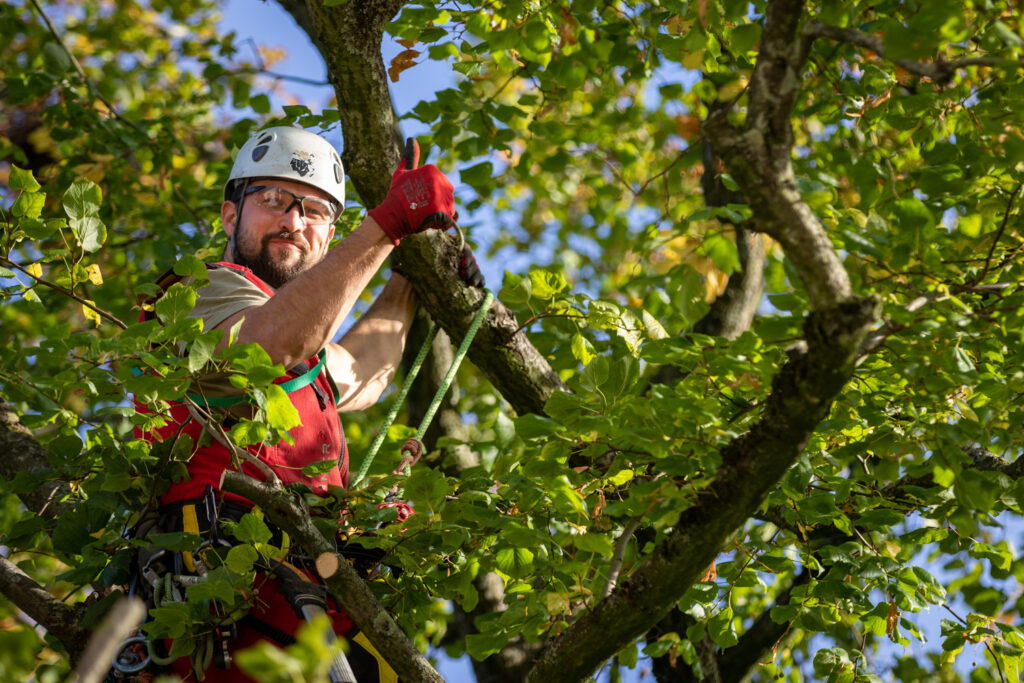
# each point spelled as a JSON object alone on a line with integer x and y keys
{"x": 274, "y": 271}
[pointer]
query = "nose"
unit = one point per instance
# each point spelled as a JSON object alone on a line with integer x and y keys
{"x": 291, "y": 220}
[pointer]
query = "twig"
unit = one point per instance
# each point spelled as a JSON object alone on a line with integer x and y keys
{"x": 217, "y": 432}
{"x": 66, "y": 292}
{"x": 999, "y": 233}
{"x": 124, "y": 618}
{"x": 615, "y": 567}
{"x": 940, "y": 71}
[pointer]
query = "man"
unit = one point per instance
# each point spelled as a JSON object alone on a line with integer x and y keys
{"x": 291, "y": 295}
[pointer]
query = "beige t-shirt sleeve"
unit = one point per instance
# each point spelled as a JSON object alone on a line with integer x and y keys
{"x": 227, "y": 293}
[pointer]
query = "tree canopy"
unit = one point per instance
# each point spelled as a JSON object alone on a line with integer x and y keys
{"x": 753, "y": 409}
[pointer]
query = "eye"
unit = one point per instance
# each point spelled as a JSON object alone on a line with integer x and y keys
{"x": 319, "y": 210}
{"x": 273, "y": 198}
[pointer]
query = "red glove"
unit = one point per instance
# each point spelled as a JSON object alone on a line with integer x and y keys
{"x": 419, "y": 198}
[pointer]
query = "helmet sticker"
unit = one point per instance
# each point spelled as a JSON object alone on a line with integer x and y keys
{"x": 302, "y": 163}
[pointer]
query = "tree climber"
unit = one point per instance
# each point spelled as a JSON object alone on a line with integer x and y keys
{"x": 291, "y": 294}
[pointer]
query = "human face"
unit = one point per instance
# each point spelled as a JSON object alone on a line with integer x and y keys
{"x": 277, "y": 246}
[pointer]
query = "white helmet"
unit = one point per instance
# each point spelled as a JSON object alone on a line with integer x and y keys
{"x": 290, "y": 153}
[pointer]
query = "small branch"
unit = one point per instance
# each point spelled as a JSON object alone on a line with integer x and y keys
{"x": 940, "y": 71}
{"x": 122, "y": 620}
{"x": 66, "y": 292}
{"x": 345, "y": 584}
{"x": 999, "y": 233}
{"x": 620, "y": 551}
{"x": 217, "y": 432}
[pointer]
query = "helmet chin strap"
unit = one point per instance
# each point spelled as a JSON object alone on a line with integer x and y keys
{"x": 238, "y": 218}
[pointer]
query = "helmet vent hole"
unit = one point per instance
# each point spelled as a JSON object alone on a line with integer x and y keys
{"x": 265, "y": 139}
{"x": 338, "y": 178}
{"x": 259, "y": 152}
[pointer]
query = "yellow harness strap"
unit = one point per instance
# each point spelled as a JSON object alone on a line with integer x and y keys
{"x": 384, "y": 671}
{"x": 190, "y": 525}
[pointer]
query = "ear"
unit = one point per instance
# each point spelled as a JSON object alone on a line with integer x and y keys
{"x": 227, "y": 217}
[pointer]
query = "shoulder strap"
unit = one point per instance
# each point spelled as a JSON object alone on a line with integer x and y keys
{"x": 291, "y": 386}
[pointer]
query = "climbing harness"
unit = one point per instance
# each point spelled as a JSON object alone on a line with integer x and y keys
{"x": 414, "y": 445}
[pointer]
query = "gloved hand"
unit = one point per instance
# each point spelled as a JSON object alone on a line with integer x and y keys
{"x": 419, "y": 198}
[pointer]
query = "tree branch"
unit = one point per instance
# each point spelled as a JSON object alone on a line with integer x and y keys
{"x": 759, "y": 158}
{"x": 801, "y": 396}
{"x": 66, "y": 292}
{"x": 939, "y": 71}
{"x": 353, "y": 593}
{"x": 20, "y": 452}
{"x": 123, "y": 618}
{"x": 61, "y": 620}
{"x": 516, "y": 369}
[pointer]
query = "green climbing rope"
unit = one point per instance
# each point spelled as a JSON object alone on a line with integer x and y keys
{"x": 474, "y": 327}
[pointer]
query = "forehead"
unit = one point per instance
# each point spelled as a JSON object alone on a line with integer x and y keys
{"x": 301, "y": 189}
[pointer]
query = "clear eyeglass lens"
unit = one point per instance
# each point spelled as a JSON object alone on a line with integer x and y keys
{"x": 279, "y": 200}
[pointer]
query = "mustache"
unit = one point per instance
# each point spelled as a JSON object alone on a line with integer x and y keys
{"x": 285, "y": 236}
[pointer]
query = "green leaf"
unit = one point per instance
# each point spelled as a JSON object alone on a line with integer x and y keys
{"x": 594, "y": 543}
{"x": 240, "y": 558}
{"x": 82, "y": 199}
{"x": 582, "y": 349}
{"x": 29, "y": 205}
{"x": 39, "y": 229}
{"x": 514, "y": 562}
{"x": 720, "y": 629}
{"x": 251, "y": 529}
{"x": 515, "y": 289}
{"x": 22, "y": 180}
{"x": 281, "y": 412}
{"x": 176, "y": 303}
{"x": 202, "y": 349}
{"x": 90, "y": 231}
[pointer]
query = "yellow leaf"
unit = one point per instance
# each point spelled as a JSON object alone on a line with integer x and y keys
{"x": 91, "y": 314}
{"x": 694, "y": 60}
{"x": 34, "y": 269}
{"x": 94, "y": 274}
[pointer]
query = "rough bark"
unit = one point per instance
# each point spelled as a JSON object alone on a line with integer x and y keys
{"x": 345, "y": 584}
{"x": 61, "y": 620}
{"x": 349, "y": 36}
{"x": 759, "y": 158}
{"x": 21, "y": 453}
{"x": 516, "y": 369}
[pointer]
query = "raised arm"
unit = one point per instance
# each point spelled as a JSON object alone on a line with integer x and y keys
{"x": 364, "y": 361}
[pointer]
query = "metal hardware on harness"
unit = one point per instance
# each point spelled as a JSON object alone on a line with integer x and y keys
{"x": 127, "y": 660}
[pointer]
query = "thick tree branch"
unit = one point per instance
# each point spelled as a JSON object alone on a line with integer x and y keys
{"x": 353, "y": 593}
{"x": 349, "y": 37}
{"x": 759, "y": 158}
{"x": 21, "y": 453}
{"x": 516, "y": 369}
{"x": 123, "y": 618}
{"x": 61, "y": 620}
{"x": 801, "y": 396}
{"x": 939, "y": 71}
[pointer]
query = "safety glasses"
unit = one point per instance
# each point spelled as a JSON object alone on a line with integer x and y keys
{"x": 280, "y": 201}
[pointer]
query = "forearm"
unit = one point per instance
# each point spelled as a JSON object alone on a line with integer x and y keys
{"x": 364, "y": 361}
{"x": 305, "y": 314}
